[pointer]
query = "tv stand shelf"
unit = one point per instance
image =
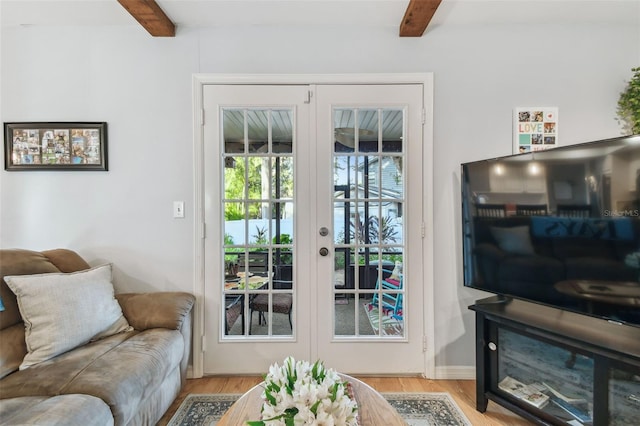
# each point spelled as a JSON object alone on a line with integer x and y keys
{"x": 556, "y": 367}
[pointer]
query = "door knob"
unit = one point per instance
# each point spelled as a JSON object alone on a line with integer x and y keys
{"x": 324, "y": 251}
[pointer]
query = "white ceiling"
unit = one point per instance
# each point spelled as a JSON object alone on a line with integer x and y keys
{"x": 360, "y": 13}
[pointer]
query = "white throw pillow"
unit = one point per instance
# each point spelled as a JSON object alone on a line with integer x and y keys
{"x": 63, "y": 311}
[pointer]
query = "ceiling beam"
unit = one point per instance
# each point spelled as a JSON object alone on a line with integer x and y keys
{"x": 150, "y": 16}
{"x": 417, "y": 17}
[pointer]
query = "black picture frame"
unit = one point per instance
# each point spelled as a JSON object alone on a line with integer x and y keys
{"x": 55, "y": 146}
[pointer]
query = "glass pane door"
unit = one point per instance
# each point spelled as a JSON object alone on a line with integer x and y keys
{"x": 259, "y": 226}
{"x": 313, "y": 247}
{"x": 255, "y": 190}
{"x": 368, "y": 204}
{"x": 370, "y": 287}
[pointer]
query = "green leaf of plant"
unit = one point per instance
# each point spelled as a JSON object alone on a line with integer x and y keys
{"x": 334, "y": 391}
{"x": 292, "y": 411}
{"x": 314, "y": 407}
{"x": 629, "y": 104}
{"x": 270, "y": 398}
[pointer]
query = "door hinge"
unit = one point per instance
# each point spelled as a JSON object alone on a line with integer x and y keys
{"x": 423, "y": 230}
{"x": 203, "y": 342}
{"x": 424, "y": 344}
{"x": 204, "y": 231}
{"x": 202, "y": 117}
{"x": 424, "y": 115}
{"x": 308, "y": 96}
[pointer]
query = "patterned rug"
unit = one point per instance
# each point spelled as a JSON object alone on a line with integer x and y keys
{"x": 418, "y": 409}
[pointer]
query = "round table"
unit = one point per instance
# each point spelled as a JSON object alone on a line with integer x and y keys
{"x": 373, "y": 409}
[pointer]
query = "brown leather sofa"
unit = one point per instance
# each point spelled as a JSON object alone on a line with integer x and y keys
{"x": 130, "y": 378}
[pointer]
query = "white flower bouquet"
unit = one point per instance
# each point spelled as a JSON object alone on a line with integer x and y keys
{"x": 300, "y": 393}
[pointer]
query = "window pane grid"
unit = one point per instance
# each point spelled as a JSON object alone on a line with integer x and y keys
{"x": 368, "y": 208}
{"x": 258, "y": 164}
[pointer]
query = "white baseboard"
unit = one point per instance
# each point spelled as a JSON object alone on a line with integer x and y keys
{"x": 456, "y": 372}
{"x": 442, "y": 373}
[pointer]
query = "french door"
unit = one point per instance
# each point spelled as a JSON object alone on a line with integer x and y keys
{"x": 312, "y": 201}
{"x": 258, "y": 244}
{"x": 370, "y": 312}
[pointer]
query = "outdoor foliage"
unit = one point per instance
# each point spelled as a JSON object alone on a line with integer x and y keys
{"x": 284, "y": 239}
{"x": 383, "y": 230}
{"x": 284, "y": 255}
{"x": 260, "y": 237}
{"x": 379, "y": 231}
{"x": 234, "y": 188}
{"x": 228, "y": 241}
{"x": 234, "y": 185}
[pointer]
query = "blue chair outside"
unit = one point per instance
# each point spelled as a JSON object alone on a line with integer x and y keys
{"x": 392, "y": 300}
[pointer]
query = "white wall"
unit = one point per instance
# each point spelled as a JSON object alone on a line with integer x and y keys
{"x": 142, "y": 87}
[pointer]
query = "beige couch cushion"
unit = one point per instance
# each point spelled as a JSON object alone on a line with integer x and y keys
{"x": 61, "y": 410}
{"x": 156, "y": 310}
{"x": 63, "y": 311}
{"x": 124, "y": 370}
{"x": 53, "y": 376}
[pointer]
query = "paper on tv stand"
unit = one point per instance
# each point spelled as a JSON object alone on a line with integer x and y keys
{"x": 524, "y": 392}
{"x": 565, "y": 398}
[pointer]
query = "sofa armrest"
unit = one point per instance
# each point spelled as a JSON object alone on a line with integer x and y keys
{"x": 156, "y": 310}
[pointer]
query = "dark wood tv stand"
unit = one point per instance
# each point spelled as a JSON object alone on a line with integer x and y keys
{"x": 570, "y": 363}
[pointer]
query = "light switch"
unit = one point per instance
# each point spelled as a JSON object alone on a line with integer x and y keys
{"x": 178, "y": 209}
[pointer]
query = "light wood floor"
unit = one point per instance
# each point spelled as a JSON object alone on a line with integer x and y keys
{"x": 462, "y": 391}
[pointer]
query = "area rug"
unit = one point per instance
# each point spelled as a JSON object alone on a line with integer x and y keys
{"x": 417, "y": 409}
{"x": 390, "y": 325}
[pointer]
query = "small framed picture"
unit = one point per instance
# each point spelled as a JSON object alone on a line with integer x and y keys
{"x": 55, "y": 146}
{"x": 535, "y": 129}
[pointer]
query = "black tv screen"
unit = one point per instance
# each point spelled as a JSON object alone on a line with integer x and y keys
{"x": 559, "y": 227}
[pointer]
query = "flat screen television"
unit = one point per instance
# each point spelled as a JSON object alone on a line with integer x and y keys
{"x": 559, "y": 227}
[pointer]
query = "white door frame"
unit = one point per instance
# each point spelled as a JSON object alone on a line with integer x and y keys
{"x": 200, "y": 80}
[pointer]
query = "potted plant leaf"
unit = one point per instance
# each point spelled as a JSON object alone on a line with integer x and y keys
{"x": 629, "y": 105}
